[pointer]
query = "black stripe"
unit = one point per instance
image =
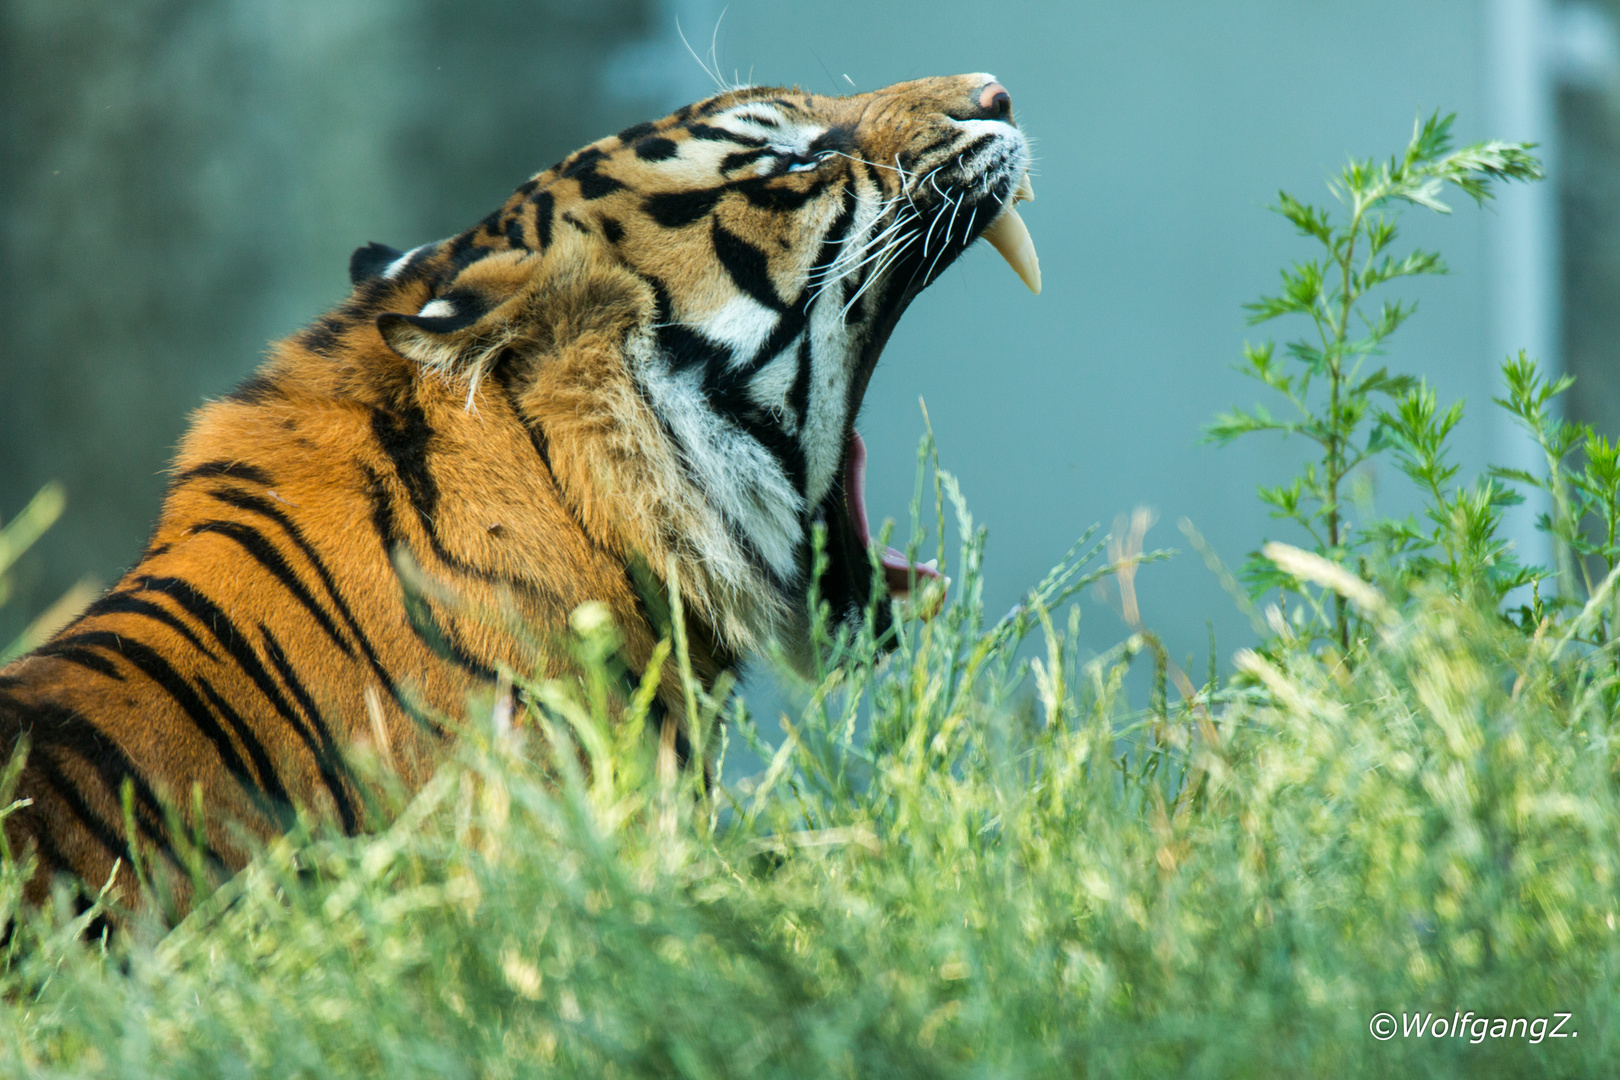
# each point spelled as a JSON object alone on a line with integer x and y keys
{"x": 727, "y": 391}
{"x": 938, "y": 144}
{"x": 237, "y": 646}
{"x": 740, "y": 158}
{"x": 236, "y": 470}
{"x": 681, "y": 346}
{"x": 787, "y": 450}
{"x": 748, "y": 266}
{"x": 382, "y": 512}
{"x": 77, "y": 650}
{"x": 545, "y": 205}
{"x": 799, "y": 395}
{"x": 514, "y": 234}
{"x": 833, "y": 242}
{"x": 595, "y": 185}
{"x": 583, "y": 161}
{"x": 122, "y": 603}
{"x": 763, "y": 193}
{"x": 55, "y": 727}
{"x": 673, "y": 209}
{"x": 256, "y": 505}
{"x": 256, "y": 544}
{"x": 323, "y": 336}
{"x": 66, "y": 791}
{"x": 636, "y": 131}
{"x": 407, "y": 438}
{"x": 56, "y": 860}
{"x": 438, "y": 638}
{"x": 269, "y": 779}
{"x": 162, "y": 673}
{"x": 656, "y": 149}
{"x": 426, "y": 629}
{"x": 254, "y": 390}
{"x": 327, "y": 759}
{"x": 710, "y": 133}
{"x": 685, "y": 348}
{"x": 975, "y": 146}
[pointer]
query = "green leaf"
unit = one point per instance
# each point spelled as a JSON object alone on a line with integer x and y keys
{"x": 1309, "y": 220}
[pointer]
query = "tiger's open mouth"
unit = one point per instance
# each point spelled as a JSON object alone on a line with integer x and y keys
{"x": 899, "y": 572}
{"x": 849, "y": 577}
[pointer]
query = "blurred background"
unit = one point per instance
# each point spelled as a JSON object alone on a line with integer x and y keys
{"x": 183, "y": 182}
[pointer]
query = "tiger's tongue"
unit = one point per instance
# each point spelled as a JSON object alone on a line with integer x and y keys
{"x": 897, "y": 569}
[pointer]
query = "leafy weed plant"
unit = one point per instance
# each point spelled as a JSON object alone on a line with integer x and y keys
{"x": 1332, "y": 394}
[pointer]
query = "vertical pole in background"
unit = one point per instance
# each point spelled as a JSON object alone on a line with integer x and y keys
{"x": 1532, "y": 48}
{"x": 1522, "y": 239}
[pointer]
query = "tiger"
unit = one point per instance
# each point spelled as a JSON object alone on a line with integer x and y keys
{"x": 637, "y": 379}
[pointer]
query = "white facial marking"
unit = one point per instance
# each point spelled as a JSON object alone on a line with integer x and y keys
{"x": 832, "y": 350}
{"x": 398, "y": 265}
{"x": 742, "y": 324}
{"x": 781, "y": 135}
{"x": 771, "y": 386}
{"x": 436, "y": 309}
{"x": 740, "y": 478}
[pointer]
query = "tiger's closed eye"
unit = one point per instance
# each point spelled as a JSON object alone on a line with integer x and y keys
{"x": 805, "y": 164}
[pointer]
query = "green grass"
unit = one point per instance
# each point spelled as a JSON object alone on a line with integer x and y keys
{"x": 993, "y": 882}
{"x": 956, "y": 863}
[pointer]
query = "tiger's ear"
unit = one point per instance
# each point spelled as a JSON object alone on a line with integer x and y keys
{"x": 370, "y": 261}
{"x": 452, "y": 332}
{"x": 517, "y": 300}
{"x": 486, "y": 308}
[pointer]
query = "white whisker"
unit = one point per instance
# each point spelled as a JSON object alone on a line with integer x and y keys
{"x": 877, "y": 274}
{"x": 876, "y": 256}
{"x": 944, "y": 246}
{"x": 719, "y": 83}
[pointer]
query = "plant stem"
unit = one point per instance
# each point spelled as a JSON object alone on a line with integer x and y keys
{"x": 1336, "y": 434}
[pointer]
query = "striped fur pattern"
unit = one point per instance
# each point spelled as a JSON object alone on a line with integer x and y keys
{"x": 647, "y": 362}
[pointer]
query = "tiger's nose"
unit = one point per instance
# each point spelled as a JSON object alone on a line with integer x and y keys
{"x": 995, "y": 100}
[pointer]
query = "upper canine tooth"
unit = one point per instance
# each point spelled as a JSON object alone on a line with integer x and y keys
{"x": 1009, "y": 235}
{"x": 1023, "y": 193}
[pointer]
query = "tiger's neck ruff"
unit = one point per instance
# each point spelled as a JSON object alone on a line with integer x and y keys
{"x": 647, "y": 363}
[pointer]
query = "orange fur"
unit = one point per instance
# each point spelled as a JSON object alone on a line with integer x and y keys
{"x": 502, "y": 443}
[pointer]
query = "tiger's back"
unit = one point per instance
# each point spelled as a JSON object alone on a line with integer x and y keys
{"x": 642, "y": 371}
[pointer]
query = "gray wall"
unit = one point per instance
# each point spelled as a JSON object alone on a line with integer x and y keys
{"x": 184, "y": 180}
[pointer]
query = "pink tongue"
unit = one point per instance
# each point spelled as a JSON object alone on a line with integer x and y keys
{"x": 897, "y": 570}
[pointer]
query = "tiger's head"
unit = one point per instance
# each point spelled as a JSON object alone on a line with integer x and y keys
{"x": 686, "y": 316}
